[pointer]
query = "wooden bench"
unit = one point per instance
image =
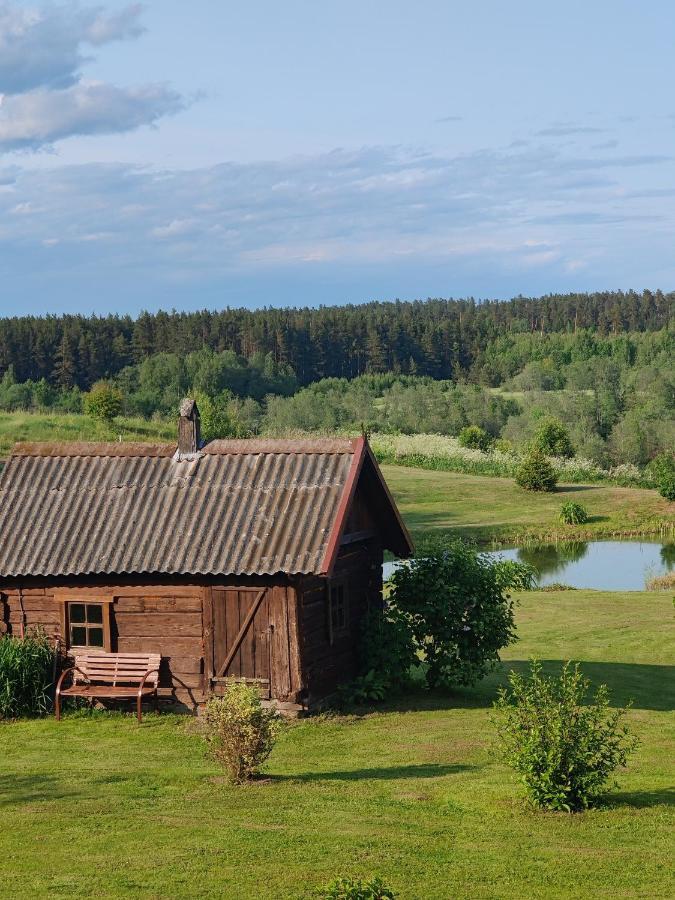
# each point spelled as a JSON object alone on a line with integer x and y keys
{"x": 112, "y": 676}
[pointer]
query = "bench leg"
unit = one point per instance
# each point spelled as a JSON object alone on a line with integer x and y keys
{"x": 57, "y": 707}
{"x": 139, "y": 712}
{"x": 156, "y": 701}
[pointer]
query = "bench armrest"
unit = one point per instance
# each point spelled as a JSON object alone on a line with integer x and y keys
{"x": 66, "y": 672}
{"x": 144, "y": 678}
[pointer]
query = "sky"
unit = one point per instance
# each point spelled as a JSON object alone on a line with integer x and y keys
{"x": 191, "y": 155}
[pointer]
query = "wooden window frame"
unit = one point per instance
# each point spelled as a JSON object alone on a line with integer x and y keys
{"x": 335, "y": 584}
{"x": 105, "y": 605}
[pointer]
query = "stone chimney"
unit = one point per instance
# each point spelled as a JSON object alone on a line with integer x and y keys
{"x": 189, "y": 438}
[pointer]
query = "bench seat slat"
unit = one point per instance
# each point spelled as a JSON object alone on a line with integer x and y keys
{"x": 109, "y": 691}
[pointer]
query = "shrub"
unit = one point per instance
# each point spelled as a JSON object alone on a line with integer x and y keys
{"x": 26, "y": 675}
{"x": 356, "y": 889}
{"x": 240, "y": 731}
{"x": 563, "y": 750}
{"x": 536, "y": 473}
{"x": 475, "y": 438}
{"x": 386, "y": 654}
{"x": 459, "y": 613}
{"x": 572, "y": 513}
{"x": 662, "y": 470}
{"x": 104, "y": 401}
{"x": 552, "y": 438}
{"x": 515, "y": 576}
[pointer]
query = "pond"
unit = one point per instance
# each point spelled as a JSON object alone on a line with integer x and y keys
{"x": 603, "y": 565}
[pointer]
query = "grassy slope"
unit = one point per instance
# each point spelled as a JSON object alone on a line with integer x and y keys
{"x": 26, "y": 426}
{"x": 485, "y": 508}
{"x": 97, "y": 806}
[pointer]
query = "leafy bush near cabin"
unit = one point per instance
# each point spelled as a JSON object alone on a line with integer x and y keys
{"x": 536, "y": 473}
{"x": 475, "y": 438}
{"x": 356, "y": 889}
{"x": 386, "y": 654}
{"x": 563, "y": 750}
{"x": 240, "y": 731}
{"x": 662, "y": 470}
{"x": 459, "y": 611}
{"x": 26, "y": 675}
{"x": 572, "y": 513}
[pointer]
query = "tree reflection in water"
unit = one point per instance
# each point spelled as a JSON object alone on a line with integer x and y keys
{"x": 548, "y": 559}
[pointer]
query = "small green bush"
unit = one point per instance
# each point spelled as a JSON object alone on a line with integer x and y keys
{"x": 475, "y": 438}
{"x": 662, "y": 470}
{"x": 536, "y": 473}
{"x": 240, "y": 731}
{"x": 104, "y": 401}
{"x": 356, "y": 889}
{"x": 572, "y": 513}
{"x": 563, "y": 750}
{"x": 26, "y": 675}
{"x": 552, "y": 438}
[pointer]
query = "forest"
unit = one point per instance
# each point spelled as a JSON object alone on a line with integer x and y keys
{"x": 602, "y": 364}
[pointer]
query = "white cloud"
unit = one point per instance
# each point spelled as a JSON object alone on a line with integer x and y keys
{"x": 375, "y": 207}
{"x": 43, "y": 97}
{"x": 42, "y": 47}
{"x": 42, "y": 116}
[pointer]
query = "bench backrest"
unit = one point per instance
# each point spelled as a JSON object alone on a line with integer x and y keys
{"x": 118, "y": 668}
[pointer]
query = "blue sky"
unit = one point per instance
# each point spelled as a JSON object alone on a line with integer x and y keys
{"x": 187, "y": 155}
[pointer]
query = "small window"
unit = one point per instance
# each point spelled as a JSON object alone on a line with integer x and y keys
{"x": 338, "y": 618}
{"x": 87, "y": 626}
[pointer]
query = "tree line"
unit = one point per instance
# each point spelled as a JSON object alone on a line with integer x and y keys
{"x": 438, "y": 338}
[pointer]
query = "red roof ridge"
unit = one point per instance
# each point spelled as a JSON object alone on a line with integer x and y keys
{"x": 218, "y": 447}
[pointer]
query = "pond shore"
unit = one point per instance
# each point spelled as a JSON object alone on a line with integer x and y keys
{"x": 495, "y": 512}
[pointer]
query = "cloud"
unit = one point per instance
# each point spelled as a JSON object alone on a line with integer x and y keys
{"x": 374, "y": 206}
{"x": 566, "y": 130}
{"x": 43, "y": 96}
{"x": 41, "y": 48}
{"x": 41, "y": 117}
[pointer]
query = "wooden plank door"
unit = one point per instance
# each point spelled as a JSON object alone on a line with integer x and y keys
{"x": 241, "y": 635}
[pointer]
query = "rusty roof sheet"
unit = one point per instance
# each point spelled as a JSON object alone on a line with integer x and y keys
{"x": 238, "y": 507}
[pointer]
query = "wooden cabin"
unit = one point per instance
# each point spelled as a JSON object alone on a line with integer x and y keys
{"x": 245, "y": 559}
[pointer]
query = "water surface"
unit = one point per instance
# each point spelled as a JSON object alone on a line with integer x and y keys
{"x": 603, "y": 565}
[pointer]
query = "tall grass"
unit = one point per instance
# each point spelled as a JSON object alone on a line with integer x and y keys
{"x": 26, "y": 673}
{"x": 437, "y": 451}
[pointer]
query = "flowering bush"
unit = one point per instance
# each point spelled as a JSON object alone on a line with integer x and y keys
{"x": 240, "y": 731}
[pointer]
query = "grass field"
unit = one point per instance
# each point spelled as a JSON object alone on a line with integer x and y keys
{"x": 28, "y": 426}
{"x": 486, "y": 508}
{"x": 97, "y": 806}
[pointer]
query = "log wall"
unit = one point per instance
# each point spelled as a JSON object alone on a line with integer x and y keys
{"x": 173, "y": 619}
{"x": 326, "y": 664}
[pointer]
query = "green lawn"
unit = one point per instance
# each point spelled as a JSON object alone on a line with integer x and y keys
{"x": 485, "y": 508}
{"x": 97, "y": 806}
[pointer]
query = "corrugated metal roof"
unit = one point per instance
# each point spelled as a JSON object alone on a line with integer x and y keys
{"x": 238, "y": 507}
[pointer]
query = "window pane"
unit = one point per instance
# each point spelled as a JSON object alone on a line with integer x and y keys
{"x": 95, "y": 637}
{"x": 78, "y": 636}
{"x": 94, "y": 613}
{"x": 77, "y": 613}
